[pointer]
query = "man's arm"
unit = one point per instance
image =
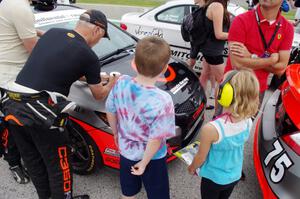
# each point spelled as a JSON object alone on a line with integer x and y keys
{"x": 241, "y": 55}
{"x": 29, "y": 43}
{"x": 279, "y": 67}
{"x": 100, "y": 91}
{"x": 241, "y": 58}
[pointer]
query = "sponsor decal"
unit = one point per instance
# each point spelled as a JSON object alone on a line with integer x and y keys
{"x": 112, "y": 160}
{"x": 5, "y": 138}
{"x": 179, "y": 86}
{"x": 154, "y": 32}
{"x": 280, "y": 165}
{"x": 63, "y": 160}
{"x": 48, "y": 18}
{"x": 112, "y": 152}
{"x": 92, "y": 158}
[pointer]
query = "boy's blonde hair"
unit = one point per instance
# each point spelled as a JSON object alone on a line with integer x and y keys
{"x": 151, "y": 56}
{"x": 246, "y": 94}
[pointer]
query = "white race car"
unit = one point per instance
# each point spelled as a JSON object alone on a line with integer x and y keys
{"x": 165, "y": 21}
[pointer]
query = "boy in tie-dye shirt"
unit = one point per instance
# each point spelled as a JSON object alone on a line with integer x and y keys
{"x": 142, "y": 118}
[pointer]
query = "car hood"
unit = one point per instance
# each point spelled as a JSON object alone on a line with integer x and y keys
{"x": 179, "y": 81}
{"x": 131, "y": 15}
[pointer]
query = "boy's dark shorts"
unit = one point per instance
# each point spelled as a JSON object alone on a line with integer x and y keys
{"x": 155, "y": 179}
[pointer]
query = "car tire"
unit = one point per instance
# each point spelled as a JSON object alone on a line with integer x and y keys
{"x": 85, "y": 158}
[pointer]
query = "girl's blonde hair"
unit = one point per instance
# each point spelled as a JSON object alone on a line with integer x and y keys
{"x": 246, "y": 94}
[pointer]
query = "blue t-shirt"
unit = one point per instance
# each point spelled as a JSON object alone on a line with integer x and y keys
{"x": 143, "y": 113}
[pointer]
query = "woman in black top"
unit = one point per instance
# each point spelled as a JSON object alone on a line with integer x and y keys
{"x": 217, "y": 21}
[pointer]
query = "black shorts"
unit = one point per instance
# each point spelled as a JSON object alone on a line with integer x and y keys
{"x": 211, "y": 190}
{"x": 214, "y": 60}
{"x": 194, "y": 51}
{"x": 155, "y": 179}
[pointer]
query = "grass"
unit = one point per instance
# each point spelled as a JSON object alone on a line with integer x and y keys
{"x": 143, "y": 3}
{"x": 289, "y": 15}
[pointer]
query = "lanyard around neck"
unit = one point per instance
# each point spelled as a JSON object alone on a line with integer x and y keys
{"x": 266, "y": 46}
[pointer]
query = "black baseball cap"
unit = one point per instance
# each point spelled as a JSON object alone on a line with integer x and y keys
{"x": 97, "y": 18}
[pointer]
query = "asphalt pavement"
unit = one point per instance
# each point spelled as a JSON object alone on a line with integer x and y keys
{"x": 104, "y": 183}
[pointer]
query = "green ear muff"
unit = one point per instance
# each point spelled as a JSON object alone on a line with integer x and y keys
{"x": 226, "y": 91}
{"x": 226, "y": 95}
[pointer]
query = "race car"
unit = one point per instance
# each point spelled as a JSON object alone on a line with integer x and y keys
{"x": 91, "y": 136}
{"x": 165, "y": 21}
{"x": 277, "y": 141}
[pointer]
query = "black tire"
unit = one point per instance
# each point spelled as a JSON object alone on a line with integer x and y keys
{"x": 85, "y": 156}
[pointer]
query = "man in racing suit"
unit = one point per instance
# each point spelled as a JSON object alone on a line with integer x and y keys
{"x": 60, "y": 58}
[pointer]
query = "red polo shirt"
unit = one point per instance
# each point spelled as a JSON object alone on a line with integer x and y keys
{"x": 244, "y": 29}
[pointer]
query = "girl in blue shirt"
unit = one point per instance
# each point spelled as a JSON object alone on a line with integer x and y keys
{"x": 220, "y": 155}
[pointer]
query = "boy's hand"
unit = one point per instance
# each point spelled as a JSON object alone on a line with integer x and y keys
{"x": 138, "y": 169}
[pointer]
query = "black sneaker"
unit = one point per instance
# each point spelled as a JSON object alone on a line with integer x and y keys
{"x": 81, "y": 197}
{"x": 20, "y": 174}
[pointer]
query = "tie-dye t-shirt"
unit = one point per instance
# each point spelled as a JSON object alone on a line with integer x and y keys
{"x": 143, "y": 113}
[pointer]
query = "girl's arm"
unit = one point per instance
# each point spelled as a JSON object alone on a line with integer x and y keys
{"x": 208, "y": 136}
{"x": 217, "y": 13}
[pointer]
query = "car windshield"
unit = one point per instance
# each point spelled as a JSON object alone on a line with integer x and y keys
{"x": 118, "y": 39}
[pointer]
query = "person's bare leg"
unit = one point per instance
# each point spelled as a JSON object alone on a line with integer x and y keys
{"x": 204, "y": 74}
{"x": 213, "y": 86}
{"x": 191, "y": 63}
{"x": 217, "y": 71}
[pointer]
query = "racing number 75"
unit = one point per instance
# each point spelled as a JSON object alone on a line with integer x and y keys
{"x": 280, "y": 165}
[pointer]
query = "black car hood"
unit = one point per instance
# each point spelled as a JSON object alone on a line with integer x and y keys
{"x": 179, "y": 81}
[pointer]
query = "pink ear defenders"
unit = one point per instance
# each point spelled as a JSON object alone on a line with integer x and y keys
{"x": 226, "y": 92}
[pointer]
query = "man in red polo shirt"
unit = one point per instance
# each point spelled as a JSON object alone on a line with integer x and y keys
{"x": 261, "y": 39}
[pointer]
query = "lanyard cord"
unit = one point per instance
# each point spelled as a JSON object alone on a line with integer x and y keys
{"x": 266, "y": 46}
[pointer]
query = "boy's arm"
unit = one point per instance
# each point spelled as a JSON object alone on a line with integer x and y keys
{"x": 151, "y": 149}
{"x": 112, "y": 120}
{"x": 208, "y": 136}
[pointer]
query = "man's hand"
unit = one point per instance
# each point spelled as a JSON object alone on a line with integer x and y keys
{"x": 274, "y": 57}
{"x": 104, "y": 78}
{"x": 138, "y": 169}
{"x": 239, "y": 49}
{"x": 113, "y": 79}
